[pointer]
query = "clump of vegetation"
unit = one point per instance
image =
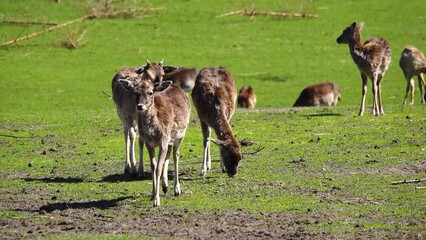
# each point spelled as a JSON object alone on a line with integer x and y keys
{"x": 73, "y": 39}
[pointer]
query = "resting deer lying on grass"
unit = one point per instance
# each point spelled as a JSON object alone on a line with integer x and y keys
{"x": 321, "y": 94}
{"x": 214, "y": 96}
{"x": 413, "y": 63}
{"x": 246, "y": 97}
{"x": 125, "y": 102}
{"x": 372, "y": 59}
{"x": 184, "y": 77}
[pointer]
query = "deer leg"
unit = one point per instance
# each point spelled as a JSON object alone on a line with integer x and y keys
{"x": 379, "y": 95}
{"x": 407, "y": 89}
{"x": 364, "y": 91}
{"x": 412, "y": 88}
{"x": 422, "y": 87}
{"x": 141, "y": 172}
{"x": 127, "y": 146}
{"x": 161, "y": 159}
{"x": 206, "y": 144}
{"x": 176, "y": 166}
{"x": 165, "y": 177}
{"x": 132, "y": 138}
{"x": 375, "y": 105}
{"x": 151, "y": 153}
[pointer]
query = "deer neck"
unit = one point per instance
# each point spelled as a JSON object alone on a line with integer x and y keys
{"x": 356, "y": 48}
{"x": 224, "y": 130}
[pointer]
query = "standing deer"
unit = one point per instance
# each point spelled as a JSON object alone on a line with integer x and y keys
{"x": 163, "y": 119}
{"x": 321, "y": 94}
{"x": 125, "y": 102}
{"x": 372, "y": 59}
{"x": 184, "y": 77}
{"x": 214, "y": 96}
{"x": 246, "y": 97}
{"x": 412, "y": 63}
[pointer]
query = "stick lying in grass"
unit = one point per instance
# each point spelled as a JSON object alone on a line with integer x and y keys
{"x": 253, "y": 13}
{"x": 88, "y": 16}
{"x": 409, "y": 181}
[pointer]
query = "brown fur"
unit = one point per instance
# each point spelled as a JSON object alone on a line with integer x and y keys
{"x": 246, "y": 97}
{"x": 413, "y": 63}
{"x": 214, "y": 96}
{"x": 184, "y": 77}
{"x": 125, "y": 102}
{"x": 321, "y": 94}
{"x": 163, "y": 119}
{"x": 372, "y": 58}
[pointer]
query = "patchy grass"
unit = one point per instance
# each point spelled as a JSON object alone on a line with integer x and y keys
{"x": 323, "y": 172}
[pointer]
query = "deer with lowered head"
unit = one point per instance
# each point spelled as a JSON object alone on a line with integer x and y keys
{"x": 125, "y": 102}
{"x": 246, "y": 97}
{"x": 182, "y": 76}
{"x": 413, "y": 63}
{"x": 372, "y": 59}
{"x": 214, "y": 96}
{"x": 321, "y": 94}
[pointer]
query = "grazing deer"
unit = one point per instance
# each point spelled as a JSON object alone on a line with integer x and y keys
{"x": 184, "y": 77}
{"x": 372, "y": 58}
{"x": 246, "y": 97}
{"x": 412, "y": 63}
{"x": 125, "y": 102}
{"x": 321, "y": 94}
{"x": 214, "y": 96}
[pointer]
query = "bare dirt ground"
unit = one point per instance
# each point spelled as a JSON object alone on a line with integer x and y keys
{"x": 121, "y": 217}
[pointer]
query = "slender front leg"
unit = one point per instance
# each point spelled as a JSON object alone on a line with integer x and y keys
{"x": 206, "y": 144}
{"x": 406, "y": 90}
{"x": 412, "y": 88}
{"x": 141, "y": 172}
{"x": 375, "y": 105}
{"x": 132, "y": 138}
{"x": 165, "y": 177}
{"x": 151, "y": 153}
{"x": 364, "y": 91}
{"x": 161, "y": 159}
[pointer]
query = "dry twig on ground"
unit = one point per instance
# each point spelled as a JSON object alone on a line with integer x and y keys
{"x": 254, "y": 13}
{"x": 409, "y": 181}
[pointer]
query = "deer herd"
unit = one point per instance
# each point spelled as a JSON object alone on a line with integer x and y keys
{"x": 152, "y": 100}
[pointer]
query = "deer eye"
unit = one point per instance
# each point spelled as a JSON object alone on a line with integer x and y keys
{"x": 150, "y": 93}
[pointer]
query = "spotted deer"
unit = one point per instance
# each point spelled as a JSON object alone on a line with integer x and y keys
{"x": 214, "y": 96}
{"x": 372, "y": 59}
{"x": 321, "y": 94}
{"x": 125, "y": 102}
{"x": 246, "y": 97}
{"x": 413, "y": 63}
{"x": 182, "y": 76}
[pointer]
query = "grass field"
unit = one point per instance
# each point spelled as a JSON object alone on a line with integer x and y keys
{"x": 324, "y": 173}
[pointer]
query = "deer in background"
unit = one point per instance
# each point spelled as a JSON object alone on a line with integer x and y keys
{"x": 321, "y": 94}
{"x": 125, "y": 102}
{"x": 184, "y": 77}
{"x": 413, "y": 63}
{"x": 214, "y": 96}
{"x": 246, "y": 97}
{"x": 372, "y": 59}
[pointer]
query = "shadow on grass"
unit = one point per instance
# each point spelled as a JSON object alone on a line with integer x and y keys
{"x": 55, "y": 180}
{"x": 101, "y": 204}
{"x": 325, "y": 114}
{"x": 113, "y": 178}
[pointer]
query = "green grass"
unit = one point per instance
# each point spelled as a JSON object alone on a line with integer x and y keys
{"x": 61, "y": 140}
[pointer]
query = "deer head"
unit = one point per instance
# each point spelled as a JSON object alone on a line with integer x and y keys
{"x": 151, "y": 71}
{"x": 351, "y": 34}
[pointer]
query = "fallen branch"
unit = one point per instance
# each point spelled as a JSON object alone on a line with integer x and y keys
{"x": 106, "y": 94}
{"x": 420, "y": 187}
{"x": 28, "y": 23}
{"x": 253, "y": 13}
{"x": 88, "y": 16}
{"x": 409, "y": 181}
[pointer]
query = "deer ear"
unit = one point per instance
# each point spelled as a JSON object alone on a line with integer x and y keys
{"x": 161, "y": 86}
{"x": 353, "y": 25}
{"x": 161, "y": 63}
{"x": 127, "y": 84}
{"x": 218, "y": 142}
{"x": 169, "y": 69}
{"x": 360, "y": 25}
{"x": 245, "y": 143}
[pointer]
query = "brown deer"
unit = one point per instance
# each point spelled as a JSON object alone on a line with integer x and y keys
{"x": 214, "y": 96}
{"x": 184, "y": 77}
{"x": 372, "y": 58}
{"x": 321, "y": 94}
{"x": 246, "y": 97}
{"x": 163, "y": 119}
{"x": 125, "y": 102}
{"x": 413, "y": 63}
